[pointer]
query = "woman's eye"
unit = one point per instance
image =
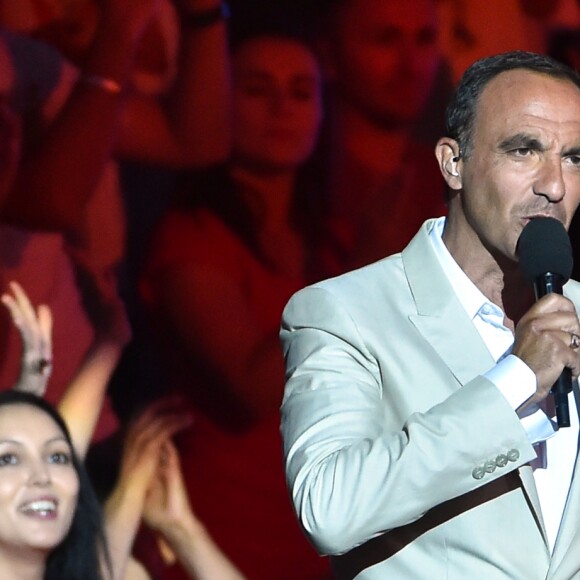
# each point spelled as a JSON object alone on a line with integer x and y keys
{"x": 60, "y": 458}
{"x": 8, "y": 459}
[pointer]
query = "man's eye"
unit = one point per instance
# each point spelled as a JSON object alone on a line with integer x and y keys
{"x": 8, "y": 459}
{"x": 521, "y": 151}
{"x": 574, "y": 160}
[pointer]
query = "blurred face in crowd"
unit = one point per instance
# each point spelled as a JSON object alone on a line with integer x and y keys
{"x": 38, "y": 482}
{"x": 524, "y": 161}
{"x": 382, "y": 57}
{"x": 277, "y": 103}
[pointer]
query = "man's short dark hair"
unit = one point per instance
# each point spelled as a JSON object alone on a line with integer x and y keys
{"x": 462, "y": 108}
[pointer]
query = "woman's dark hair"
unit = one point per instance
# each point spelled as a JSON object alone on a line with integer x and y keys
{"x": 462, "y": 108}
{"x": 84, "y": 549}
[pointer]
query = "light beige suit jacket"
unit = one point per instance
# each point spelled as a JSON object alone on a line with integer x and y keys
{"x": 403, "y": 461}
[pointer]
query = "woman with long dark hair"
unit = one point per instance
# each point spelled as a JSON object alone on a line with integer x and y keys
{"x": 50, "y": 522}
{"x": 223, "y": 263}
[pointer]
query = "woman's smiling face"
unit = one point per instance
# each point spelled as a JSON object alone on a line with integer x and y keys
{"x": 38, "y": 482}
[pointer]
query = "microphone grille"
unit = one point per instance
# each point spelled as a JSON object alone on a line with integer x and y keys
{"x": 544, "y": 246}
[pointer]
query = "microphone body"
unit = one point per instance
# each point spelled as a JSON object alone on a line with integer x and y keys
{"x": 550, "y": 283}
{"x": 545, "y": 258}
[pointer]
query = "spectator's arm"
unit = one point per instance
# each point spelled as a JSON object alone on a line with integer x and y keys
{"x": 59, "y": 170}
{"x": 82, "y": 402}
{"x": 192, "y": 127}
{"x": 140, "y": 461}
{"x": 168, "y": 511}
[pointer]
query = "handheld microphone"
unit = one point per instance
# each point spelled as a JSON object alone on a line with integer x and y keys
{"x": 545, "y": 257}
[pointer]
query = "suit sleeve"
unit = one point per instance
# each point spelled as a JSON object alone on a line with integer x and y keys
{"x": 351, "y": 474}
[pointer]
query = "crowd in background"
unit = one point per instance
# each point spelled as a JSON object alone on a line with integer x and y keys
{"x": 171, "y": 172}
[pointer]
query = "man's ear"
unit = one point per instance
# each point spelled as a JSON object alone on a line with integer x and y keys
{"x": 450, "y": 162}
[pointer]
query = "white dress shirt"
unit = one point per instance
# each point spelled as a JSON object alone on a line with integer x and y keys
{"x": 556, "y": 449}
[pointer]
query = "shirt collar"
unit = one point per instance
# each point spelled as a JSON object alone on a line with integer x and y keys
{"x": 470, "y": 296}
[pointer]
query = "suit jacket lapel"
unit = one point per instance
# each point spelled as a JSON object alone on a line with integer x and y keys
{"x": 444, "y": 323}
{"x": 440, "y": 317}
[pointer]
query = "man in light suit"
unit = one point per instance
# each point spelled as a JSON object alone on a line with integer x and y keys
{"x": 418, "y": 431}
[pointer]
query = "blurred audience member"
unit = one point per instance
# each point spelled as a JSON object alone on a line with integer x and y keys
{"x": 468, "y": 33}
{"x": 82, "y": 401}
{"x": 74, "y": 118}
{"x": 382, "y": 62}
{"x": 564, "y": 45}
{"x": 80, "y": 408}
{"x": 50, "y": 522}
{"x": 70, "y": 26}
{"x": 224, "y": 261}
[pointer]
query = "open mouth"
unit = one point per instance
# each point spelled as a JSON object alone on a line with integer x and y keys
{"x": 45, "y": 508}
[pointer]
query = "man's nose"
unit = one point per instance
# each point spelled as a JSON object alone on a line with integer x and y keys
{"x": 550, "y": 181}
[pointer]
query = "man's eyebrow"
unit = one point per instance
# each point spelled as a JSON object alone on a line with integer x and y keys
{"x": 572, "y": 151}
{"x": 521, "y": 141}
